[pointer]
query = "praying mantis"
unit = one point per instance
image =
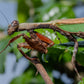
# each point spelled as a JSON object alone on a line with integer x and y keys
{"x": 40, "y": 42}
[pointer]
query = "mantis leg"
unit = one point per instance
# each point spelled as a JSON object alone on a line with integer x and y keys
{"x": 25, "y": 45}
{"x": 15, "y": 38}
{"x": 73, "y": 57}
{"x": 12, "y": 40}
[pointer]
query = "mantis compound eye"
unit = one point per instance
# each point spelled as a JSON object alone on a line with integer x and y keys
{"x": 14, "y": 23}
{"x": 13, "y": 27}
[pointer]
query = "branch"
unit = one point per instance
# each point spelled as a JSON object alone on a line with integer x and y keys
{"x": 36, "y": 62}
{"x": 42, "y": 71}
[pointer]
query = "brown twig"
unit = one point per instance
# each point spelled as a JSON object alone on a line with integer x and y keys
{"x": 42, "y": 71}
{"x": 36, "y": 62}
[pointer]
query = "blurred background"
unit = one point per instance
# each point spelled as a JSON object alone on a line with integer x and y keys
{"x": 14, "y": 68}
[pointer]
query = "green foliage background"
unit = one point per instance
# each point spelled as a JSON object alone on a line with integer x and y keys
{"x": 58, "y": 55}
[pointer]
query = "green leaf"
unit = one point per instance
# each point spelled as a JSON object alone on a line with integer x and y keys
{"x": 73, "y": 27}
{"x": 3, "y": 44}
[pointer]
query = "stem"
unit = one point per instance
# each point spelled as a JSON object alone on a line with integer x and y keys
{"x": 42, "y": 71}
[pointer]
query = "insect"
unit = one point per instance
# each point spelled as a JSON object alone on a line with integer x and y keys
{"x": 40, "y": 42}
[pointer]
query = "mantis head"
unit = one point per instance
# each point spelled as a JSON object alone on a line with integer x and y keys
{"x": 13, "y": 27}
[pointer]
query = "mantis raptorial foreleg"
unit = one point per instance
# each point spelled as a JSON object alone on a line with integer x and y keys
{"x": 25, "y": 45}
{"x": 12, "y": 40}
